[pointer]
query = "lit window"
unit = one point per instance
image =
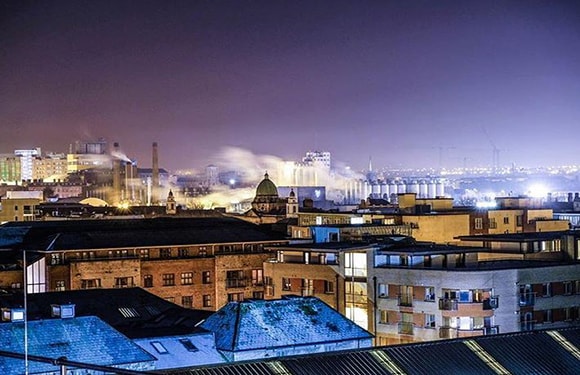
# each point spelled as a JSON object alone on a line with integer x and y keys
{"x": 186, "y": 278}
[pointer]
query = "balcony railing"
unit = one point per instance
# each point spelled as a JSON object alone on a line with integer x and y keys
{"x": 527, "y": 326}
{"x": 527, "y": 299}
{"x": 236, "y": 283}
{"x": 405, "y": 300}
{"x": 405, "y": 328}
{"x": 491, "y": 303}
{"x": 447, "y": 333}
{"x": 448, "y": 304}
{"x": 491, "y": 330}
{"x": 125, "y": 285}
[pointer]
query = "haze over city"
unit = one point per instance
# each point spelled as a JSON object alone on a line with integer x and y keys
{"x": 409, "y": 84}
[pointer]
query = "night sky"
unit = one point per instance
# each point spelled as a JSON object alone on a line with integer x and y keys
{"x": 404, "y": 82}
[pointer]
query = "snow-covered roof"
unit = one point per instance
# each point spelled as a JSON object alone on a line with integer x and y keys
{"x": 290, "y": 321}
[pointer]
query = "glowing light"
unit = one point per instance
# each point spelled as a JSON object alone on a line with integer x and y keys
{"x": 486, "y": 204}
{"x": 232, "y": 181}
{"x": 538, "y": 191}
{"x": 124, "y": 205}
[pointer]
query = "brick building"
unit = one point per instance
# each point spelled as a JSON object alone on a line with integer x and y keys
{"x": 199, "y": 263}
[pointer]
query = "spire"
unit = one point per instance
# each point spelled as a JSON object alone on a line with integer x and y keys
{"x": 370, "y": 164}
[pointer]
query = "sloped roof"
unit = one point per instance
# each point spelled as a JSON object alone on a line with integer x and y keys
{"x": 199, "y": 350}
{"x": 132, "y": 311}
{"x": 258, "y": 324}
{"x": 96, "y": 234}
{"x": 86, "y": 339}
{"x": 522, "y": 353}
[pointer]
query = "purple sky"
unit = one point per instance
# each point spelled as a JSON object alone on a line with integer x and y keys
{"x": 396, "y": 80}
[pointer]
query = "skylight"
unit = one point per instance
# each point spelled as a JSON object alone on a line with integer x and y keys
{"x": 128, "y": 312}
{"x": 187, "y": 344}
{"x": 159, "y": 347}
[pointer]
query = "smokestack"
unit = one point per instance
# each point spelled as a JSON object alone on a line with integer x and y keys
{"x": 155, "y": 173}
{"x": 116, "y": 176}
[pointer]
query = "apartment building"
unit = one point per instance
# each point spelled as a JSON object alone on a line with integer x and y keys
{"x": 199, "y": 263}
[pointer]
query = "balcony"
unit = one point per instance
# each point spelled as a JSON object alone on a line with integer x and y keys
{"x": 528, "y": 325}
{"x": 405, "y": 328}
{"x": 307, "y": 292}
{"x": 527, "y": 299}
{"x": 405, "y": 300}
{"x": 447, "y": 333}
{"x": 491, "y": 303}
{"x": 236, "y": 283}
{"x": 491, "y": 330}
{"x": 448, "y": 304}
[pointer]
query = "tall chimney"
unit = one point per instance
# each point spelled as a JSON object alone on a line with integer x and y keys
{"x": 115, "y": 198}
{"x": 155, "y": 174}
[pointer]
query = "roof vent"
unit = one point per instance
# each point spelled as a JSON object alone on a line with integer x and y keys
{"x": 12, "y": 315}
{"x": 63, "y": 311}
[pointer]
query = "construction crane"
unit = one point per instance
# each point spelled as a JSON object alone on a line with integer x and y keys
{"x": 495, "y": 152}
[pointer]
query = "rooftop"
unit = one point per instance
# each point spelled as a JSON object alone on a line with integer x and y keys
{"x": 523, "y": 353}
{"x": 85, "y": 339}
{"x": 99, "y": 234}
{"x": 132, "y": 311}
{"x": 290, "y": 321}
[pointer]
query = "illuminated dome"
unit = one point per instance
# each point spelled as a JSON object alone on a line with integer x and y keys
{"x": 266, "y": 188}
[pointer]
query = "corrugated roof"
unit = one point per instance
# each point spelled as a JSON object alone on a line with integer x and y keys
{"x": 522, "y": 353}
{"x": 259, "y": 324}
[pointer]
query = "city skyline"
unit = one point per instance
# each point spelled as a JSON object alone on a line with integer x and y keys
{"x": 418, "y": 84}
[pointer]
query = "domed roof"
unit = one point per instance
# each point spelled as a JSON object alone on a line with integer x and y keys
{"x": 266, "y": 188}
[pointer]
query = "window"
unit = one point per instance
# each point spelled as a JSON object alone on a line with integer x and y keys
{"x": 384, "y": 317}
{"x": 430, "y": 293}
{"x": 547, "y": 290}
{"x": 206, "y": 300}
{"x": 90, "y": 283}
{"x": 492, "y": 223}
{"x": 519, "y": 220}
{"x": 170, "y": 299}
{"x": 235, "y": 279}
{"x": 506, "y": 220}
{"x": 186, "y": 278}
{"x": 478, "y": 223}
{"x": 567, "y": 287}
{"x": 383, "y": 291}
{"x": 258, "y": 295}
{"x": 165, "y": 253}
{"x": 205, "y": 277}
{"x": 232, "y": 297}
{"x": 59, "y": 285}
{"x": 427, "y": 261}
{"x": 168, "y": 279}
{"x": 202, "y": 251}
{"x": 159, "y": 347}
{"x": 123, "y": 282}
{"x": 55, "y": 258}
{"x": 144, "y": 253}
{"x": 187, "y": 301}
{"x": 328, "y": 287}
{"x": 429, "y": 320}
{"x": 547, "y": 315}
{"x": 183, "y": 252}
{"x": 257, "y": 277}
{"x": 187, "y": 344}
{"x": 147, "y": 281}
{"x": 286, "y": 285}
